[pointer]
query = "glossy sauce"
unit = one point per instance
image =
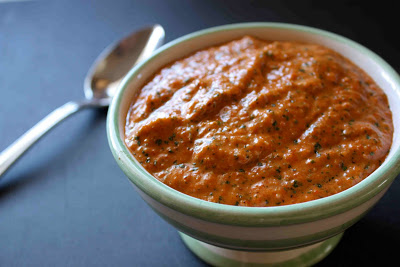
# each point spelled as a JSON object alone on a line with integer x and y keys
{"x": 257, "y": 123}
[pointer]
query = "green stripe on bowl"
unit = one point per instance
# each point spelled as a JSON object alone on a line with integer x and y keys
{"x": 260, "y": 245}
{"x": 306, "y": 259}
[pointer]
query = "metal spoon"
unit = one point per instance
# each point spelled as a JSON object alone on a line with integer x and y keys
{"x": 99, "y": 87}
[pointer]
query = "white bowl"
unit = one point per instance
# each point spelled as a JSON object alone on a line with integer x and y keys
{"x": 296, "y": 234}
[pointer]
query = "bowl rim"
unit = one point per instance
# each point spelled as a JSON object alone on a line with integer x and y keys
{"x": 238, "y": 215}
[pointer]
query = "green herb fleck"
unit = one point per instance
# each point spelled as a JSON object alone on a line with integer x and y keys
{"x": 317, "y": 147}
{"x": 137, "y": 138}
{"x": 159, "y": 142}
{"x": 172, "y": 137}
{"x": 344, "y": 168}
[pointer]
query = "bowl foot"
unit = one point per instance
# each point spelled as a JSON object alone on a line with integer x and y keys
{"x": 303, "y": 256}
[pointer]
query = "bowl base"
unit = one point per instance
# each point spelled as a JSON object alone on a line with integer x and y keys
{"x": 303, "y": 256}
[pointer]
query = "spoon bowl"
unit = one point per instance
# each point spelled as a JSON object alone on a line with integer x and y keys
{"x": 100, "y": 86}
{"x": 117, "y": 59}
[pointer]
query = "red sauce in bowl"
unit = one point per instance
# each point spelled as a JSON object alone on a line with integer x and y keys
{"x": 260, "y": 123}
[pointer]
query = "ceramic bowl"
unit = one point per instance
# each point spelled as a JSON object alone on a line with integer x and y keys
{"x": 299, "y": 234}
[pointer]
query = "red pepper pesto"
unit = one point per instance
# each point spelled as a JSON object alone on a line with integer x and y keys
{"x": 259, "y": 123}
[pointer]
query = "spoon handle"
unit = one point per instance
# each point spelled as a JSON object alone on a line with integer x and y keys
{"x": 10, "y": 155}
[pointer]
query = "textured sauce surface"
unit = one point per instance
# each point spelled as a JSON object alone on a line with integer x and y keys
{"x": 256, "y": 123}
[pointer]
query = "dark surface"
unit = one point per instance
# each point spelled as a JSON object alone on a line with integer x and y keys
{"x": 66, "y": 202}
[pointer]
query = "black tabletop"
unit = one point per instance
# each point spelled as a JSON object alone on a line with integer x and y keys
{"x": 66, "y": 202}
